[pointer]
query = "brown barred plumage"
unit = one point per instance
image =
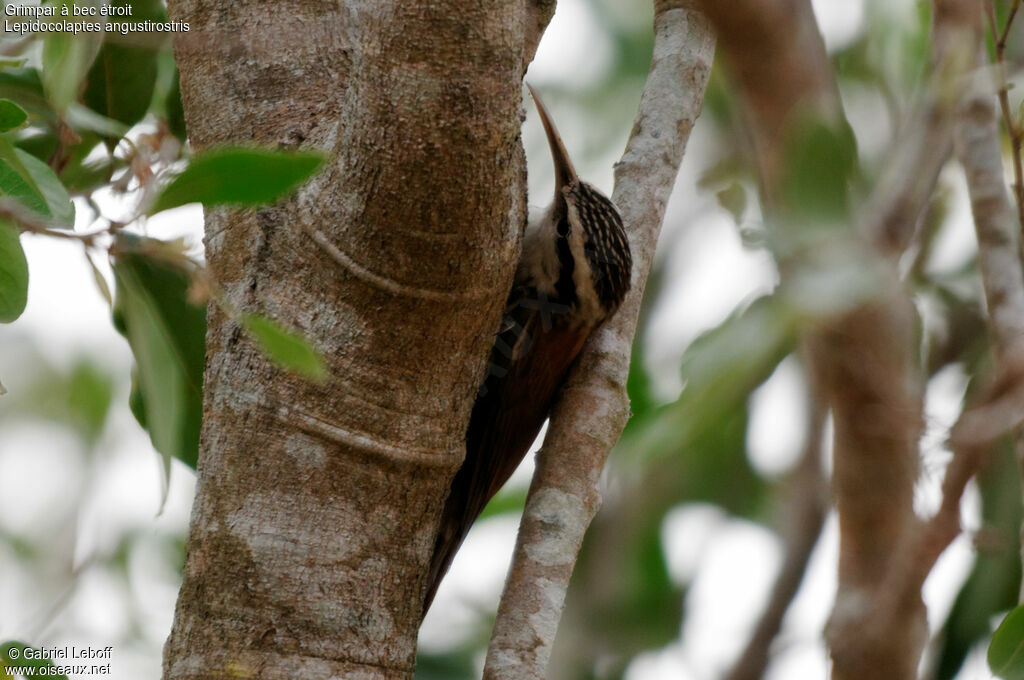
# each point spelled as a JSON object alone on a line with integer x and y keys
{"x": 573, "y": 274}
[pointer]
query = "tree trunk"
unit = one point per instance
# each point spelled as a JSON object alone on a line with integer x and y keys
{"x": 317, "y": 505}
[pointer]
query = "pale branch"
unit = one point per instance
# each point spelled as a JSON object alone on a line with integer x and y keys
{"x": 998, "y": 229}
{"x": 1000, "y": 410}
{"x": 807, "y": 505}
{"x": 593, "y": 408}
{"x": 978, "y": 149}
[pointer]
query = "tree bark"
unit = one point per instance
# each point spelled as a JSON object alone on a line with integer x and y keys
{"x": 317, "y": 505}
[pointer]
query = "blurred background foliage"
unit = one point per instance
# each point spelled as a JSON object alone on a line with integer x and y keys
{"x": 677, "y": 565}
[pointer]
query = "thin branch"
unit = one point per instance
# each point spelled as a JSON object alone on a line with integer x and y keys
{"x": 1013, "y": 129}
{"x": 999, "y": 248}
{"x": 1001, "y": 410}
{"x": 808, "y": 504}
{"x": 978, "y": 149}
{"x": 911, "y": 171}
{"x": 593, "y": 408}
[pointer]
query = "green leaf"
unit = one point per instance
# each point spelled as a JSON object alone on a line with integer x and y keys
{"x": 34, "y": 184}
{"x": 993, "y": 585}
{"x": 724, "y": 365}
{"x": 821, "y": 160}
{"x": 17, "y": 182}
{"x": 40, "y": 143}
{"x": 13, "y": 274}
{"x": 89, "y": 395}
{"x": 709, "y": 464}
{"x": 640, "y": 386}
{"x": 286, "y": 347}
{"x": 14, "y": 654}
{"x": 85, "y": 171}
{"x": 82, "y": 118}
{"x": 66, "y": 59}
{"x": 1006, "y": 651}
{"x": 454, "y": 664}
{"x": 640, "y": 608}
{"x": 23, "y": 85}
{"x": 694, "y": 449}
{"x": 58, "y": 203}
{"x": 720, "y": 369}
{"x": 101, "y": 283}
{"x": 79, "y": 397}
{"x": 239, "y": 176}
{"x": 120, "y": 83}
{"x": 173, "y": 109}
{"x": 11, "y": 115}
{"x": 167, "y": 335}
{"x": 505, "y": 502}
{"x": 733, "y": 198}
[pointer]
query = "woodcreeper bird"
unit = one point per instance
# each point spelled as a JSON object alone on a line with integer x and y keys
{"x": 574, "y": 271}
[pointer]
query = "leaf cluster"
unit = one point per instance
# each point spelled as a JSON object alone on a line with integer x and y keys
{"x": 97, "y": 114}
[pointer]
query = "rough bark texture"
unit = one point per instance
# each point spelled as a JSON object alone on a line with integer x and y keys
{"x": 317, "y": 505}
{"x": 593, "y": 407}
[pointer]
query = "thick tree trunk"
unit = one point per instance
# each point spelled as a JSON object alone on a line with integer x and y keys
{"x": 317, "y": 504}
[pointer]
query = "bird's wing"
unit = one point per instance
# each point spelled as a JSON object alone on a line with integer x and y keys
{"x": 529, "y": 362}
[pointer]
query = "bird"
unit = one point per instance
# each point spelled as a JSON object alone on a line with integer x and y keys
{"x": 572, "y": 275}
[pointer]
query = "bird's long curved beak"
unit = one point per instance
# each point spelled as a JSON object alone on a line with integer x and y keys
{"x": 564, "y": 172}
